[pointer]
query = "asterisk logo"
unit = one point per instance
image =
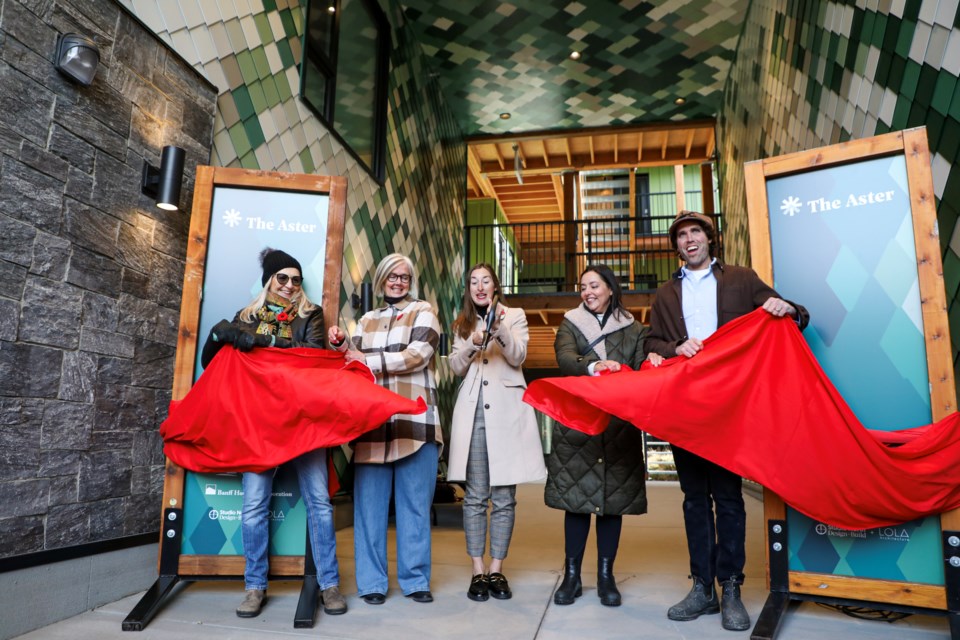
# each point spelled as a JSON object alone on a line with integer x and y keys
{"x": 231, "y": 217}
{"x": 790, "y": 206}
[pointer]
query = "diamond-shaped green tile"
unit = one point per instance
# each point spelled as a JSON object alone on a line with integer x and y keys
{"x": 261, "y": 63}
{"x": 241, "y": 97}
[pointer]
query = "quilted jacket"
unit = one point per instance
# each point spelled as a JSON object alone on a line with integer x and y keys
{"x": 603, "y": 474}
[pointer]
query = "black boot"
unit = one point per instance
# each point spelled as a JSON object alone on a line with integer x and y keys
{"x": 702, "y": 600}
{"x": 733, "y": 615}
{"x": 571, "y": 588}
{"x": 606, "y": 583}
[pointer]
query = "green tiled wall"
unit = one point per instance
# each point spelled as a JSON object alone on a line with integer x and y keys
{"x": 250, "y": 50}
{"x": 811, "y": 73}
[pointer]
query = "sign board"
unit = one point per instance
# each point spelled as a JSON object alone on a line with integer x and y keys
{"x": 850, "y": 232}
{"x": 236, "y": 214}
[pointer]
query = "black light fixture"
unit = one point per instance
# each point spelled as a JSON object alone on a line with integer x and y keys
{"x": 364, "y": 301}
{"x": 163, "y": 184}
{"x": 444, "y": 347}
{"x": 77, "y": 58}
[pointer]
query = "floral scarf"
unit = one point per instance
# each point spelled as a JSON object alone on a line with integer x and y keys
{"x": 276, "y": 316}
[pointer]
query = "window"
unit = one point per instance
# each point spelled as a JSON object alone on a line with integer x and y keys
{"x": 343, "y": 78}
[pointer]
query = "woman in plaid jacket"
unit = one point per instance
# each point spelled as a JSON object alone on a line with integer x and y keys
{"x": 397, "y": 342}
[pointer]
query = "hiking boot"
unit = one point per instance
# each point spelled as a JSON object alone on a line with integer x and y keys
{"x": 702, "y": 600}
{"x": 252, "y": 603}
{"x": 333, "y": 601}
{"x": 733, "y": 615}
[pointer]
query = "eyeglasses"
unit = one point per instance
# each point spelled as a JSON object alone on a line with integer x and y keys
{"x": 394, "y": 277}
{"x": 294, "y": 280}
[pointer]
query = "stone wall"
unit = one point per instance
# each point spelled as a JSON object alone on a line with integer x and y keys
{"x": 90, "y": 272}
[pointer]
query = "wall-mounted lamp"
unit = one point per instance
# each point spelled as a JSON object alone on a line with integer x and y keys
{"x": 364, "y": 301}
{"x": 77, "y": 58}
{"x": 163, "y": 184}
{"x": 444, "y": 347}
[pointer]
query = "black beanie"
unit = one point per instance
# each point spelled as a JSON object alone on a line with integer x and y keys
{"x": 274, "y": 260}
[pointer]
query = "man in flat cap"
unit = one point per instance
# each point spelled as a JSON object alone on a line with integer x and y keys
{"x": 701, "y": 296}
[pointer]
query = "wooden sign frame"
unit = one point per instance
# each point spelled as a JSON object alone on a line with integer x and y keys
{"x": 174, "y": 566}
{"x": 788, "y": 585}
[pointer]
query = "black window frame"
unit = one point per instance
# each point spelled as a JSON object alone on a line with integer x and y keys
{"x": 326, "y": 65}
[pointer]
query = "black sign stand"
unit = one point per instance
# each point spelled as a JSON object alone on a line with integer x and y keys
{"x": 774, "y": 609}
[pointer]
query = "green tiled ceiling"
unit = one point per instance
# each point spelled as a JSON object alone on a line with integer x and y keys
{"x": 637, "y": 58}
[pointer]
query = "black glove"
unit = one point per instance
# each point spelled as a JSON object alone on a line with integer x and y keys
{"x": 225, "y": 331}
{"x": 247, "y": 340}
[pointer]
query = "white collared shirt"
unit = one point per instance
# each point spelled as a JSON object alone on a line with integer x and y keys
{"x": 699, "y": 299}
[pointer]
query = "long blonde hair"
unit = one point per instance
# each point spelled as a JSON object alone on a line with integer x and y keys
{"x": 249, "y": 312}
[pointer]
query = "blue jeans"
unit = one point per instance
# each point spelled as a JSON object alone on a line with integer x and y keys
{"x": 716, "y": 542}
{"x": 414, "y": 480}
{"x": 257, "y": 488}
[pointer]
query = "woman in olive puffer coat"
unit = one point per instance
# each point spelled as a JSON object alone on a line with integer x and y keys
{"x": 603, "y": 475}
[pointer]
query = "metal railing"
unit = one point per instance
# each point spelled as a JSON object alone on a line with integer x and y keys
{"x": 547, "y": 257}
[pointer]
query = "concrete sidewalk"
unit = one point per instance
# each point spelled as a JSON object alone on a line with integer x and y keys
{"x": 651, "y": 571}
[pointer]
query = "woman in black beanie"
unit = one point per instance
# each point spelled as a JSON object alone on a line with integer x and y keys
{"x": 282, "y": 316}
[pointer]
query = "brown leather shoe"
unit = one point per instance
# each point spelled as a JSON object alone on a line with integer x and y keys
{"x": 252, "y": 603}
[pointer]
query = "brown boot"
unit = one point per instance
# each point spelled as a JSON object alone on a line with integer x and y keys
{"x": 333, "y": 601}
{"x": 253, "y": 602}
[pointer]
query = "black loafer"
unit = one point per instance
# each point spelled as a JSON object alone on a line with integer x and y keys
{"x": 499, "y": 587}
{"x": 421, "y": 596}
{"x": 479, "y": 588}
{"x": 374, "y": 598}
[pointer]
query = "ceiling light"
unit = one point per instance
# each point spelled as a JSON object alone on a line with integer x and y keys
{"x": 680, "y": 101}
{"x": 574, "y": 55}
{"x": 77, "y": 58}
{"x": 331, "y": 9}
{"x": 504, "y": 116}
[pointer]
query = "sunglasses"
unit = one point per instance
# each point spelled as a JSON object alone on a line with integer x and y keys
{"x": 282, "y": 279}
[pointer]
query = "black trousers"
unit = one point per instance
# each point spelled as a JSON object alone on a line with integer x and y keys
{"x": 576, "y": 528}
{"x": 714, "y": 517}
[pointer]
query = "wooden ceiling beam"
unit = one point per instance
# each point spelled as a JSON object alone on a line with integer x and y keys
{"x": 639, "y": 147}
{"x": 566, "y": 144}
{"x": 663, "y": 148}
{"x": 475, "y": 169}
{"x": 558, "y": 189}
{"x": 689, "y": 144}
{"x": 546, "y": 156}
{"x": 496, "y": 150}
{"x": 616, "y": 147}
{"x": 514, "y": 202}
{"x": 593, "y": 159}
{"x": 602, "y": 161}
{"x": 552, "y": 134}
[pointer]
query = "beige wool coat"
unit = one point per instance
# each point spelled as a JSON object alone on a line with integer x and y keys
{"x": 514, "y": 450}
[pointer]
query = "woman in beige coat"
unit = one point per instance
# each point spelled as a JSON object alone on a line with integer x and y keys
{"x": 494, "y": 439}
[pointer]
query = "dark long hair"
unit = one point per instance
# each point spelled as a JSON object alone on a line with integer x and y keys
{"x": 467, "y": 319}
{"x": 616, "y": 298}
